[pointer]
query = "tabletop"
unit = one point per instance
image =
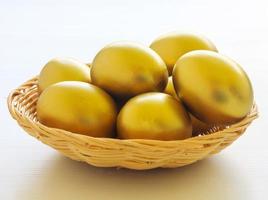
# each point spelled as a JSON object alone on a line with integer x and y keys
{"x": 32, "y": 32}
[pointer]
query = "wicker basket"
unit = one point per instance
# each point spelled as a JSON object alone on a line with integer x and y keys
{"x": 107, "y": 152}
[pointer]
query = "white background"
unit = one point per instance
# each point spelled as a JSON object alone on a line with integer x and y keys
{"x": 32, "y": 32}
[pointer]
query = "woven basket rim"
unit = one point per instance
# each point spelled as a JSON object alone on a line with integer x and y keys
{"x": 139, "y": 154}
{"x": 253, "y": 114}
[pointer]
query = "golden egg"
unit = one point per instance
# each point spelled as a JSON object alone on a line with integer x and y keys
{"x": 62, "y": 69}
{"x": 214, "y": 88}
{"x": 173, "y": 45}
{"x": 153, "y": 115}
{"x": 77, "y": 107}
{"x": 126, "y": 69}
{"x": 170, "y": 88}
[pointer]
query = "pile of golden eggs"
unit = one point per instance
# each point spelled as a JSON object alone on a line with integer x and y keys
{"x": 178, "y": 87}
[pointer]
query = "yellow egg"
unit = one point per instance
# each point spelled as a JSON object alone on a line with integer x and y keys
{"x": 215, "y": 89}
{"x": 170, "y": 88}
{"x": 173, "y": 45}
{"x": 62, "y": 69}
{"x": 77, "y": 107}
{"x": 126, "y": 69}
{"x": 153, "y": 115}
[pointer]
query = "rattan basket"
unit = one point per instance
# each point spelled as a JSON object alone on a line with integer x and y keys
{"x": 107, "y": 152}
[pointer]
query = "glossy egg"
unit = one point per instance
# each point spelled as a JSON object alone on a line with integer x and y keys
{"x": 154, "y": 116}
{"x": 173, "y": 45}
{"x": 214, "y": 88}
{"x": 77, "y": 107}
{"x": 170, "y": 88}
{"x": 62, "y": 69}
{"x": 127, "y": 69}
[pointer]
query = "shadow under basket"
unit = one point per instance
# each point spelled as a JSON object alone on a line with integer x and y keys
{"x": 137, "y": 154}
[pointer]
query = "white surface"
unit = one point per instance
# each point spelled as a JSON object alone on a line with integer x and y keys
{"x": 31, "y": 33}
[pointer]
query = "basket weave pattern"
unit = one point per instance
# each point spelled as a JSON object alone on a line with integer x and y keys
{"x": 107, "y": 152}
